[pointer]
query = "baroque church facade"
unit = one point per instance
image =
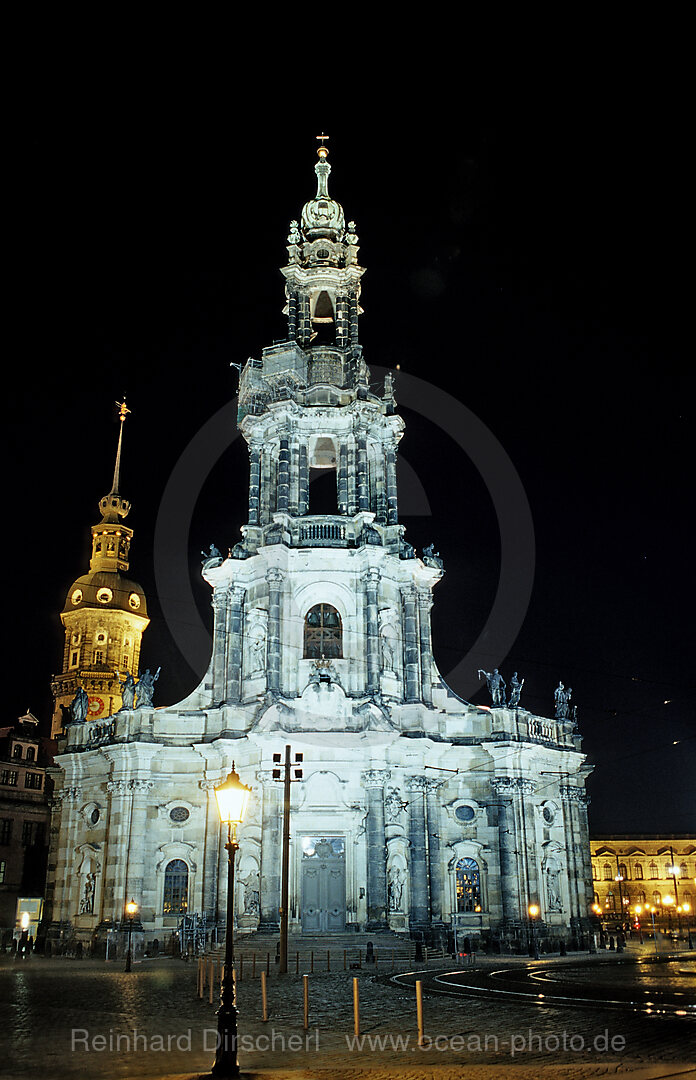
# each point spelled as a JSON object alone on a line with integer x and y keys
{"x": 417, "y": 811}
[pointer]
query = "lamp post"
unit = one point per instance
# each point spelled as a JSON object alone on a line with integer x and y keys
{"x": 533, "y": 914}
{"x": 131, "y": 911}
{"x": 675, "y": 872}
{"x": 232, "y": 799}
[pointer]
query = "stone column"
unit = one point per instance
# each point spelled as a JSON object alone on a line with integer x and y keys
{"x": 254, "y": 484}
{"x": 410, "y": 636}
{"x": 380, "y": 487}
{"x": 527, "y": 788}
{"x": 425, "y": 602}
{"x": 392, "y": 503}
{"x": 373, "y": 780}
{"x": 220, "y": 608}
{"x": 138, "y": 832}
{"x": 282, "y": 500}
{"x": 371, "y": 579}
{"x": 65, "y": 905}
{"x": 292, "y": 315}
{"x": 271, "y": 851}
{"x": 352, "y": 485}
{"x": 303, "y": 498}
{"x": 274, "y": 579}
{"x": 343, "y": 478}
{"x": 353, "y": 319}
{"x": 578, "y": 852}
{"x": 504, "y": 788}
{"x": 235, "y": 643}
{"x": 116, "y": 860}
{"x": 363, "y": 492}
{"x": 436, "y": 879}
{"x": 419, "y": 913}
{"x": 211, "y": 854}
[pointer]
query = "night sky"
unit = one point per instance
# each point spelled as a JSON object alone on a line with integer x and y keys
{"x": 532, "y": 269}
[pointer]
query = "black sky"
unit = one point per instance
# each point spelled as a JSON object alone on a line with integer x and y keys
{"x": 536, "y": 269}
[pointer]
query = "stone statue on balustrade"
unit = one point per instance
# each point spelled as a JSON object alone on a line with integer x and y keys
{"x": 127, "y": 691}
{"x": 496, "y": 686}
{"x": 562, "y": 699}
{"x": 145, "y": 688}
{"x": 79, "y": 706}
{"x": 515, "y": 691}
{"x": 431, "y": 557}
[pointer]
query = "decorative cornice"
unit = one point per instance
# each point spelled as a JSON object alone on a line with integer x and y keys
{"x": 509, "y": 785}
{"x": 140, "y": 786}
{"x": 574, "y": 794}
{"x": 69, "y": 794}
{"x": 417, "y": 783}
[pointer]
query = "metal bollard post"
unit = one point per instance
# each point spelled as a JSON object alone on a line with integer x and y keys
{"x": 305, "y": 996}
{"x": 419, "y": 1010}
{"x": 356, "y": 1007}
{"x": 264, "y": 996}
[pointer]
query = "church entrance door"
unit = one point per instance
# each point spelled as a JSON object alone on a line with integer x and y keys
{"x": 323, "y": 884}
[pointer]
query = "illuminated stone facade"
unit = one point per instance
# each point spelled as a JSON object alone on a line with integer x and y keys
{"x": 417, "y": 811}
{"x": 104, "y": 616}
{"x": 647, "y": 872}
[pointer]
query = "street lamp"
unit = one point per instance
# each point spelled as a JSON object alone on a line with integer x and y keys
{"x": 232, "y": 799}
{"x": 533, "y": 914}
{"x": 131, "y": 912}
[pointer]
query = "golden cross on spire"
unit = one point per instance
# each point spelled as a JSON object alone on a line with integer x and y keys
{"x": 323, "y": 150}
{"x": 123, "y": 409}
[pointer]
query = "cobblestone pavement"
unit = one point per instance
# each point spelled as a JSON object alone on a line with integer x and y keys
{"x": 67, "y": 1019}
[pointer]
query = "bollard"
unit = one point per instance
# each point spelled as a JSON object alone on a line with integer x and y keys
{"x": 211, "y": 979}
{"x": 356, "y": 1007}
{"x": 253, "y": 965}
{"x": 328, "y": 959}
{"x": 297, "y": 962}
{"x": 345, "y": 959}
{"x": 419, "y": 1010}
{"x": 305, "y": 995}
{"x": 268, "y": 963}
{"x": 264, "y": 996}
{"x": 425, "y": 951}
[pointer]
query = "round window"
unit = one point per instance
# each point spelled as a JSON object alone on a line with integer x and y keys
{"x": 76, "y": 596}
{"x": 465, "y": 813}
{"x": 104, "y": 596}
{"x": 134, "y": 601}
{"x": 179, "y": 814}
{"x": 94, "y": 816}
{"x": 549, "y": 815}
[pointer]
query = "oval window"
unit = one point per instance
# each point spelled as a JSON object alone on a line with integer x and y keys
{"x": 134, "y": 601}
{"x": 179, "y": 814}
{"x": 76, "y": 596}
{"x": 104, "y": 596}
{"x": 94, "y": 816}
{"x": 464, "y": 813}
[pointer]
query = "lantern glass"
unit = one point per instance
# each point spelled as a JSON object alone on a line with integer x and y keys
{"x": 232, "y": 799}
{"x": 131, "y": 908}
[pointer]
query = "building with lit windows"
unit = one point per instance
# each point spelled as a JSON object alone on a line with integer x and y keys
{"x": 644, "y": 873}
{"x": 417, "y": 811}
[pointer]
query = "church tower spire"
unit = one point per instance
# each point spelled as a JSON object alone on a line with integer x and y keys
{"x": 105, "y": 613}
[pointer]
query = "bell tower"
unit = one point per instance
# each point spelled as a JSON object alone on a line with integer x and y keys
{"x": 323, "y": 548}
{"x": 104, "y": 615}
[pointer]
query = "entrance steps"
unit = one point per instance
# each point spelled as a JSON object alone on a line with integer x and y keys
{"x": 322, "y": 950}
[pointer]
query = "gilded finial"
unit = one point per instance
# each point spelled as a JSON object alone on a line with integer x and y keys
{"x": 123, "y": 409}
{"x": 323, "y": 151}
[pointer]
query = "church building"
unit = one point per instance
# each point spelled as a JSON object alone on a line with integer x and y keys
{"x": 418, "y": 812}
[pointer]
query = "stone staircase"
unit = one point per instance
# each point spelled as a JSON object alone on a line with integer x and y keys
{"x": 321, "y": 952}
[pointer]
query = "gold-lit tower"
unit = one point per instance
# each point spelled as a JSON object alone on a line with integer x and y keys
{"x": 105, "y": 614}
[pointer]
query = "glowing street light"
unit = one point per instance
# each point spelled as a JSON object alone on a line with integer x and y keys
{"x": 533, "y": 910}
{"x": 131, "y": 912}
{"x": 232, "y": 799}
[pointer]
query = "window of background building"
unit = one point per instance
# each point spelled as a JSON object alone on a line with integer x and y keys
{"x": 28, "y": 832}
{"x": 639, "y": 872}
{"x": 608, "y": 876}
{"x": 31, "y": 753}
{"x": 2, "y": 871}
{"x": 654, "y": 872}
{"x": 657, "y": 897}
{"x": 17, "y": 752}
{"x": 32, "y": 780}
{"x": 5, "y": 830}
{"x": 623, "y": 871}
{"x": 9, "y": 777}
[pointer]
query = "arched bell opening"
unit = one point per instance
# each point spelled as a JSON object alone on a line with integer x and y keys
{"x": 323, "y": 320}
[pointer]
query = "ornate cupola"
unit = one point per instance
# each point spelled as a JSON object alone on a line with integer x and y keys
{"x": 105, "y": 613}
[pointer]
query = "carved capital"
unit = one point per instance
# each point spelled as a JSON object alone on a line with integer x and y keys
{"x": 69, "y": 794}
{"x": 574, "y": 794}
{"x": 510, "y": 785}
{"x": 140, "y": 786}
{"x": 117, "y": 787}
{"x": 274, "y": 576}
{"x": 374, "y": 778}
{"x": 371, "y": 578}
{"x": 210, "y": 785}
{"x": 237, "y": 594}
{"x": 417, "y": 783}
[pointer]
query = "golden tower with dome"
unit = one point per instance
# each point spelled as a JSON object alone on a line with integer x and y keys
{"x": 104, "y": 616}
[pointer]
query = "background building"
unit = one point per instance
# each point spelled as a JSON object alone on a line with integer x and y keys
{"x": 647, "y": 871}
{"x": 24, "y": 815}
{"x": 418, "y": 811}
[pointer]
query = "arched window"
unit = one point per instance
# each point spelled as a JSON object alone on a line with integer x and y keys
{"x": 684, "y": 870}
{"x": 323, "y": 634}
{"x": 175, "y": 888}
{"x": 608, "y": 876}
{"x": 641, "y": 897}
{"x": 638, "y": 872}
{"x": 654, "y": 872}
{"x": 657, "y": 897}
{"x": 623, "y": 871}
{"x": 610, "y": 901}
{"x": 31, "y": 753}
{"x": 594, "y": 871}
{"x": 468, "y": 885}
{"x": 686, "y": 898}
